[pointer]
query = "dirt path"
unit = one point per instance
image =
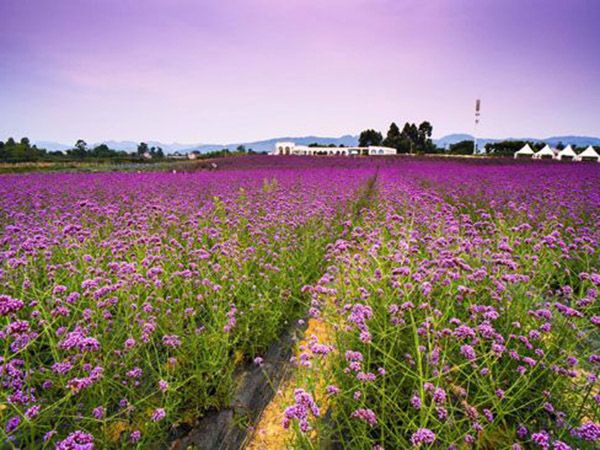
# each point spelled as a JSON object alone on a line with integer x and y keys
{"x": 269, "y": 434}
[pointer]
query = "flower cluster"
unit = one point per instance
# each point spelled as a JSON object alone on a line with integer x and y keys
{"x": 300, "y": 411}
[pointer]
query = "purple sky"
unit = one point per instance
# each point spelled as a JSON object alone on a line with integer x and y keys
{"x": 235, "y": 70}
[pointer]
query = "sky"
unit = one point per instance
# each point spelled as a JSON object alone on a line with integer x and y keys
{"x": 223, "y": 71}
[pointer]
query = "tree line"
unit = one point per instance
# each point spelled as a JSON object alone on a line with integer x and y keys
{"x": 412, "y": 138}
{"x": 23, "y": 151}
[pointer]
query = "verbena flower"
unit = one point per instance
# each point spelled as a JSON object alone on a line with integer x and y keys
{"x": 78, "y": 440}
{"x": 422, "y": 436}
{"x": 158, "y": 414}
{"x": 366, "y": 415}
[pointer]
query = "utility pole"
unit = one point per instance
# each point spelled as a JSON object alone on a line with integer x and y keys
{"x": 477, "y": 115}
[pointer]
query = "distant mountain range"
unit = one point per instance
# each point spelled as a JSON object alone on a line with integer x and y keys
{"x": 347, "y": 140}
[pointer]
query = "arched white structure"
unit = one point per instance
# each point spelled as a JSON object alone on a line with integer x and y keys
{"x": 525, "y": 152}
{"x": 283, "y": 148}
{"x": 381, "y": 151}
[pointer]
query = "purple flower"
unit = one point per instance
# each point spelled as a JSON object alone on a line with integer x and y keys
{"x": 366, "y": 415}
{"x": 171, "y": 340}
{"x": 300, "y": 410}
{"x": 158, "y": 414}
{"x": 9, "y": 305}
{"x": 12, "y": 424}
{"x": 488, "y": 415}
{"x": 78, "y": 340}
{"x": 442, "y": 413}
{"x": 78, "y": 384}
{"x": 541, "y": 439}
{"x": 365, "y": 376}
{"x": 422, "y": 436}
{"x": 522, "y": 431}
{"x": 464, "y": 332}
{"x": 588, "y": 431}
{"x": 99, "y": 412}
{"x": 231, "y": 319}
{"x": 135, "y": 436}
{"x": 439, "y": 396}
{"x": 49, "y": 435}
{"x": 33, "y": 411}
{"x": 332, "y": 390}
{"x": 353, "y": 356}
{"x": 136, "y": 372}
{"x": 78, "y": 440}
{"x": 468, "y": 352}
{"x": 415, "y": 402}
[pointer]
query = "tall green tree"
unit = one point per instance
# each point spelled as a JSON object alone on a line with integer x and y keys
{"x": 102, "y": 151}
{"x": 410, "y": 135}
{"x": 80, "y": 149}
{"x": 424, "y": 132}
{"x": 369, "y": 137}
{"x": 393, "y": 137}
{"x": 142, "y": 149}
{"x": 462, "y": 148}
{"x": 81, "y": 145}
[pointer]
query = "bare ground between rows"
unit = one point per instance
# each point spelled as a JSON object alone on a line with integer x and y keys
{"x": 228, "y": 429}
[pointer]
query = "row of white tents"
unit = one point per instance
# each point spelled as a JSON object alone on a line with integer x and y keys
{"x": 566, "y": 154}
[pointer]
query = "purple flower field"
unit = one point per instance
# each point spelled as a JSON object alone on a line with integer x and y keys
{"x": 462, "y": 300}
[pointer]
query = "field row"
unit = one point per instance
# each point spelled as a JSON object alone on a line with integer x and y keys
{"x": 458, "y": 314}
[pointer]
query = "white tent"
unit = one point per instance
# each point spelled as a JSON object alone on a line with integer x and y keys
{"x": 589, "y": 154}
{"x": 567, "y": 153}
{"x": 545, "y": 153}
{"x": 525, "y": 152}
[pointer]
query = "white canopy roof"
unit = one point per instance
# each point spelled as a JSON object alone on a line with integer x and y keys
{"x": 567, "y": 151}
{"x": 546, "y": 151}
{"x": 526, "y": 150}
{"x": 588, "y": 153}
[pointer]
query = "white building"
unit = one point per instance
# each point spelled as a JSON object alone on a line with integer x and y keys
{"x": 290, "y": 148}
